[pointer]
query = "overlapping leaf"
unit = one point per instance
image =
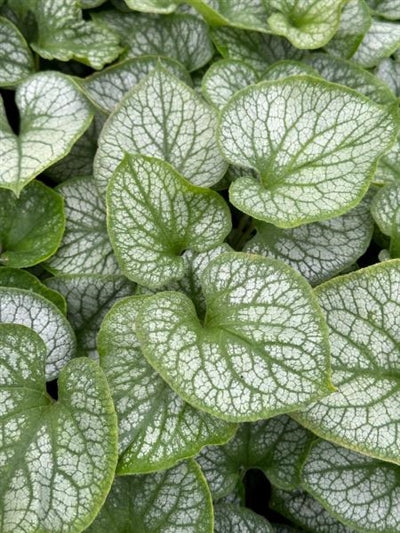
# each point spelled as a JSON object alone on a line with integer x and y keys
{"x": 53, "y": 116}
{"x": 381, "y": 40}
{"x": 16, "y": 61}
{"x": 314, "y": 144}
{"x": 57, "y": 460}
{"x": 262, "y": 349}
{"x": 239, "y": 520}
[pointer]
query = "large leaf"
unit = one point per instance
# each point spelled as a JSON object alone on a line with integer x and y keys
{"x": 361, "y": 492}
{"x": 362, "y": 312}
{"x": 307, "y": 24}
{"x": 318, "y": 250}
{"x": 276, "y": 446}
{"x": 31, "y": 226}
{"x": 106, "y": 88}
{"x": 85, "y": 248}
{"x": 154, "y": 214}
{"x": 53, "y": 116}
{"x": 22, "y": 279}
{"x": 156, "y": 427}
{"x": 164, "y": 118}
{"x": 314, "y": 144}
{"x": 354, "y": 24}
{"x": 262, "y": 349}
{"x": 20, "y": 306}
{"x": 233, "y": 519}
{"x": 89, "y": 297}
{"x": 16, "y": 62}
{"x": 57, "y": 460}
{"x": 257, "y": 49}
{"x": 178, "y": 36}
{"x": 381, "y": 40}
{"x": 63, "y": 34}
{"x": 175, "y": 500}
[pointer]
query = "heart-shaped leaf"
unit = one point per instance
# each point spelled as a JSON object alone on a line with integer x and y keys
{"x": 107, "y": 88}
{"x": 381, "y": 40}
{"x": 16, "y": 61}
{"x": 57, "y": 459}
{"x": 63, "y": 34}
{"x": 314, "y": 144}
{"x": 361, "y": 492}
{"x": 318, "y": 250}
{"x": 54, "y": 114}
{"x": 150, "y": 227}
{"x": 19, "y": 306}
{"x": 276, "y": 446}
{"x": 235, "y": 519}
{"x": 156, "y": 427}
{"x": 89, "y": 298}
{"x": 261, "y": 351}
{"x": 361, "y": 311}
{"x": 85, "y": 247}
{"x": 307, "y": 24}
{"x": 164, "y": 118}
{"x": 175, "y": 500}
{"x": 22, "y": 279}
{"x": 31, "y": 226}
{"x": 178, "y": 36}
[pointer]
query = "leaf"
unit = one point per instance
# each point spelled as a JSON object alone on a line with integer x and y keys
{"x": 224, "y": 78}
{"x": 53, "y": 116}
{"x": 31, "y": 226}
{"x": 154, "y": 214}
{"x": 14, "y": 277}
{"x": 314, "y": 144}
{"x": 16, "y": 62}
{"x": 256, "y": 49}
{"x": 182, "y": 37}
{"x": 388, "y": 70}
{"x": 307, "y": 24}
{"x": 106, "y": 88}
{"x": 245, "y": 14}
{"x": 58, "y": 459}
{"x": 152, "y": 6}
{"x": 239, "y": 520}
{"x": 306, "y": 511}
{"x": 19, "y": 306}
{"x": 361, "y": 492}
{"x": 261, "y": 351}
{"x": 388, "y": 169}
{"x": 354, "y": 24}
{"x": 276, "y": 447}
{"x": 348, "y": 73}
{"x": 63, "y": 34}
{"x": 361, "y": 310}
{"x": 89, "y": 298}
{"x": 174, "y": 500}
{"x": 85, "y": 248}
{"x": 384, "y": 207}
{"x": 388, "y": 9}
{"x": 288, "y": 67}
{"x": 156, "y": 427}
{"x": 79, "y": 161}
{"x": 381, "y": 40}
{"x": 164, "y": 118}
{"x": 319, "y": 250}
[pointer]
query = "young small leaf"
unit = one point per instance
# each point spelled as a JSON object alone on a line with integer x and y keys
{"x": 156, "y": 427}
{"x": 89, "y": 298}
{"x": 361, "y": 311}
{"x": 31, "y": 226}
{"x": 175, "y": 500}
{"x": 85, "y": 248}
{"x": 384, "y": 207}
{"x": 57, "y": 459}
{"x": 315, "y": 145}
{"x": 152, "y": 6}
{"x": 361, "y": 492}
{"x": 16, "y": 61}
{"x": 261, "y": 351}
{"x": 388, "y": 70}
{"x": 19, "y": 306}
{"x": 164, "y": 118}
{"x": 235, "y": 519}
{"x": 154, "y": 214}
{"x": 54, "y": 114}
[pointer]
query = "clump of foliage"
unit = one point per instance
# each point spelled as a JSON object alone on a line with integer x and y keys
{"x": 200, "y": 266}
